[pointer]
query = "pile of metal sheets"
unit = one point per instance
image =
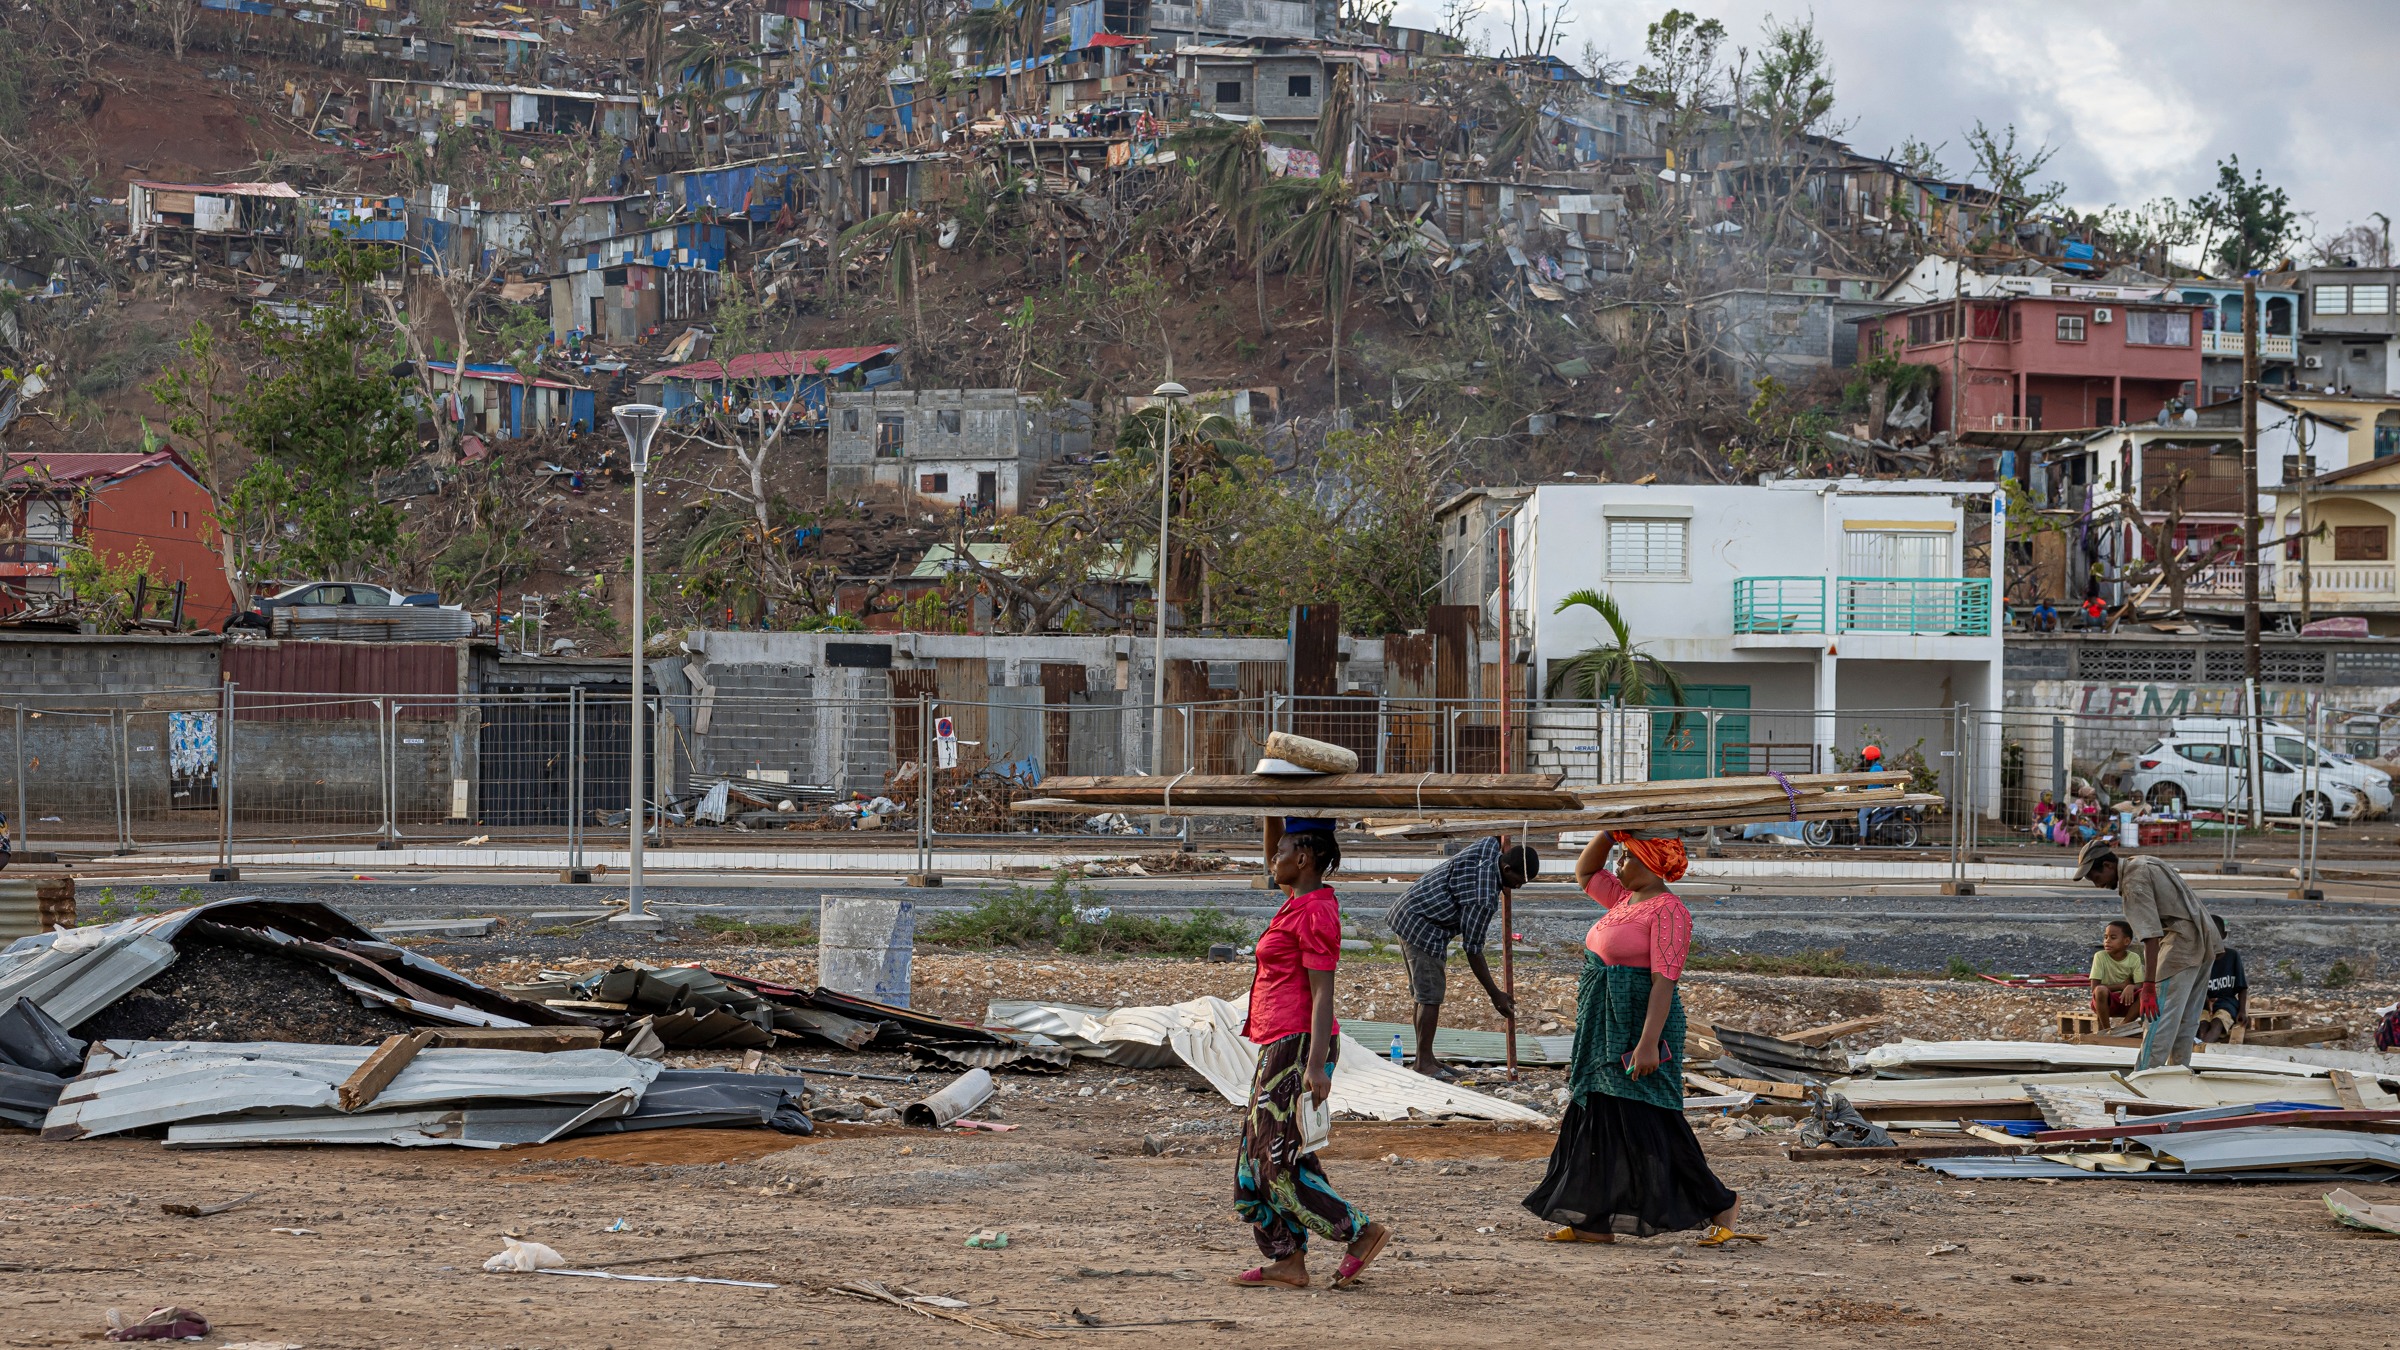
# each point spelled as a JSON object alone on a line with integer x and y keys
{"x": 213, "y": 1095}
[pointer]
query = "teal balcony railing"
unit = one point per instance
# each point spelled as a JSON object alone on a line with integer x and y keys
{"x": 1931, "y": 606}
{"x": 1779, "y": 605}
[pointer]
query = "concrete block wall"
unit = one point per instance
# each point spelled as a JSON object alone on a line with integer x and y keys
{"x": 52, "y": 669}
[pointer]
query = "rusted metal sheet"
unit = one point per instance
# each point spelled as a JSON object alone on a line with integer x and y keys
{"x": 1454, "y": 644}
{"x": 1061, "y": 682}
{"x": 907, "y": 687}
{"x": 1316, "y": 650}
{"x": 276, "y": 680}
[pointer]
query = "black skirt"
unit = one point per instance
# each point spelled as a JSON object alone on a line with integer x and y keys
{"x": 1623, "y": 1166}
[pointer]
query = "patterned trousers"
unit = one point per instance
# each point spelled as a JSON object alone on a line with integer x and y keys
{"x": 1281, "y": 1192}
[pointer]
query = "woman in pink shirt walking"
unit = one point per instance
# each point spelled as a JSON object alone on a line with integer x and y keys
{"x": 1626, "y": 1160}
{"x": 1278, "y": 1187}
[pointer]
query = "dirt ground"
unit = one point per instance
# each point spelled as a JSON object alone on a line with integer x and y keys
{"x": 1114, "y": 1189}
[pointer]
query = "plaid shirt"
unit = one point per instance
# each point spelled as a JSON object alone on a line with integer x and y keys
{"x": 1457, "y": 899}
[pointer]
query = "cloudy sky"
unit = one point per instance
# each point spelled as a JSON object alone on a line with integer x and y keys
{"x": 2142, "y": 97}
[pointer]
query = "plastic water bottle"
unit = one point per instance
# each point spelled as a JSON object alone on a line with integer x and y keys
{"x": 1397, "y": 1057}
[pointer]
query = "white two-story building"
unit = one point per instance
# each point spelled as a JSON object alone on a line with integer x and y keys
{"x": 1805, "y": 615}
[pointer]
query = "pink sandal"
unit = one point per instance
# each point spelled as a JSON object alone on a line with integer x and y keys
{"x": 1352, "y": 1264}
{"x": 1258, "y": 1278}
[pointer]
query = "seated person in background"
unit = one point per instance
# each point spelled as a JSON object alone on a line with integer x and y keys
{"x": 2045, "y": 616}
{"x": 2117, "y": 976}
{"x": 2095, "y": 612}
{"x": 2228, "y": 994}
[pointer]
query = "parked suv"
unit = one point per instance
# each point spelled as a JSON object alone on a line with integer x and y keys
{"x": 262, "y": 607}
{"x": 2182, "y": 772}
{"x": 2294, "y": 746}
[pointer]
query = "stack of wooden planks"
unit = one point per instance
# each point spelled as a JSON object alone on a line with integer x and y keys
{"x": 1411, "y": 805}
{"x": 1690, "y": 803}
{"x": 1347, "y": 794}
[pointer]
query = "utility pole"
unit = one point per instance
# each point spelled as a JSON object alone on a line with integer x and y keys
{"x": 2250, "y": 654}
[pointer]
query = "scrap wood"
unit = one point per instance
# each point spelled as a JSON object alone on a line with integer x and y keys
{"x": 369, "y": 1080}
{"x": 1833, "y": 1031}
{"x": 1892, "y": 1152}
{"x": 874, "y": 1292}
{"x": 1333, "y": 791}
{"x": 2316, "y": 1035}
{"x": 655, "y": 1279}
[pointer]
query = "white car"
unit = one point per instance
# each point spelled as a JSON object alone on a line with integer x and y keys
{"x": 2184, "y": 772}
{"x": 2294, "y": 746}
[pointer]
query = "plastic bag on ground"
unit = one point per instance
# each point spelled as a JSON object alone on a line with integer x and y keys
{"x": 524, "y": 1257}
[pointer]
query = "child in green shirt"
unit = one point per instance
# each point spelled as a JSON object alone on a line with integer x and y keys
{"x": 2117, "y": 976}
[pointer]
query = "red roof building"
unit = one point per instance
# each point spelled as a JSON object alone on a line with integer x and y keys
{"x": 2044, "y": 362}
{"x": 115, "y": 505}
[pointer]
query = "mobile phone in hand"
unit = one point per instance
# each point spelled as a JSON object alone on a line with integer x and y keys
{"x": 1666, "y": 1056}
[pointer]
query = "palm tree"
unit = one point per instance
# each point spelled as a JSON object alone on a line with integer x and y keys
{"x": 1229, "y": 165}
{"x": 1319, "y": 240}
{"x": 905, "y": 231}
{"x": 1617, "y": 663}
{"x": 644, "y": 22}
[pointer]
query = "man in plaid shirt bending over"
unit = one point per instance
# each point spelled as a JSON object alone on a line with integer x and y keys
{"x": 1457, "y": 899}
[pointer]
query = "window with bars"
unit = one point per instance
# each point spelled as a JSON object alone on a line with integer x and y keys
{"x": 891, "y": 435}
{"x": 2330, "y": 300}
{"x": 2370, "y": 299}
{"x": 1652, "y": 548}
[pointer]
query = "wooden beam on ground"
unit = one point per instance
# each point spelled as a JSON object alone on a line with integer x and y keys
{"x": 2298, "y": 1035}
{"x": 369, "y": 1080}
{"x": 1788, "y": 1092}
{"x": 541, "y": 1040}
{"x": 1833, "y": 1031}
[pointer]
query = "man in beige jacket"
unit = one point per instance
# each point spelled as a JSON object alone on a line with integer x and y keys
{"x": 2179, "y": 942}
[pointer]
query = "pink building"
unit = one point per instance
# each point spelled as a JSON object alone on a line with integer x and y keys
{"x": 2044, "y": 362}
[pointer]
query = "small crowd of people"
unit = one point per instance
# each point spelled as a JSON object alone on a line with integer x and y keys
{"x": 1626, "y": 1160}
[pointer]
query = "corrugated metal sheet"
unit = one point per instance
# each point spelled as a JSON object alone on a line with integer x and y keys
{"x": 30, "y": 905}
{"x": 262, "y": 669}
{"x": 1998, "y": 1168}
{"x": 371, "y": 623}
{"x": 478, "y": 1127}
{"x": 129, "y": 1085}
{"x": 2273, "y": 1148}
{"x": 1909, "y": 1057}
{"x": 71, "y": 980}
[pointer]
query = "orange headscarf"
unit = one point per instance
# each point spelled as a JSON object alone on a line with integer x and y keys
{"x": 1663, "y": 856}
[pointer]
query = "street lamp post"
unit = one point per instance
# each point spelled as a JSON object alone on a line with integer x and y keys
{"x": 1167, "y": 394}
{"x": 640, "y": 423}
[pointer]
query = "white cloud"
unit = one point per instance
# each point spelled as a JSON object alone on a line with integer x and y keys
{"x": 2074, "y": 86}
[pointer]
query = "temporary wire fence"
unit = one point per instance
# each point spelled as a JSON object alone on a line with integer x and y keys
{"x": 184, "y": 769}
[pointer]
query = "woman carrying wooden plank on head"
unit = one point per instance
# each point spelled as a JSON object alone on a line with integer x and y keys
{"x": 1626, "y": 1160}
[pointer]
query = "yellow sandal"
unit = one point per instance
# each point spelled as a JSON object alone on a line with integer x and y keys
{"x": 1718, "y": 1235}
{"x": 1578, "y": 1235}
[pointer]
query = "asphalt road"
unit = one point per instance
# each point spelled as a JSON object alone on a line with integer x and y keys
{"x": 1907, "y": 927}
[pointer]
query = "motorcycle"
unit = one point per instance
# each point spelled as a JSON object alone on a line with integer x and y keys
{"x": 1887, "y": 826}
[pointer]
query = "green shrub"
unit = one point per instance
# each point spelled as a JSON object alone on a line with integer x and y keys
{"x": 1060, "y": 917}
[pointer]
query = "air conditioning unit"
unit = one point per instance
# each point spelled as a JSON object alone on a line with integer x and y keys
{"x": 2312, "y": 361}
{"x": 2104, "y": 315}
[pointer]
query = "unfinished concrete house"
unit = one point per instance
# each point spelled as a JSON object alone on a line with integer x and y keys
{"x": 978, "y": 448}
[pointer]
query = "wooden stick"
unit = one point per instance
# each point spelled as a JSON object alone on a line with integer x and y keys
{"x": 370, "y": 1079}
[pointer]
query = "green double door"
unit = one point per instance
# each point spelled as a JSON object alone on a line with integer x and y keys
{"x": 1679, "y": 745}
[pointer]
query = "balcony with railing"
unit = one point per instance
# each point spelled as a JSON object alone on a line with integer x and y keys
{"x": 1768, "y": 607}
{"x": 1921, "y": 606}
{"x": 1775, "y": 606}
{"x": 2271, "y": 346}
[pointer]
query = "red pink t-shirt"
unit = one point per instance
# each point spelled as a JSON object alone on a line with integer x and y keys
{"x": 1653, "y": 934}
{"x": 1305, "y": 935}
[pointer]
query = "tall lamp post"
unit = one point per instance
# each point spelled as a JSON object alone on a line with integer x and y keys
{"x": 1167, "y": 394}
{"x": 640, "y": 423}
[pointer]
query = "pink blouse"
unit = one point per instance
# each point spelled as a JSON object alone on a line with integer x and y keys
{"x": 1653, "y": 934}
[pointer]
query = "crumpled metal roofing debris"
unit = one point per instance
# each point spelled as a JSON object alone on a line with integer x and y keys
{"x": 130, "y": 1085}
